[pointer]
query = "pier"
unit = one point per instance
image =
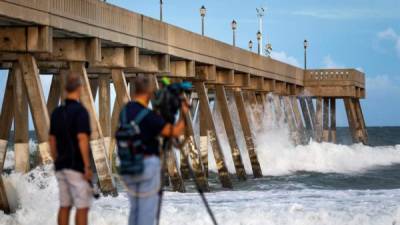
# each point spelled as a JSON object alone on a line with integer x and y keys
{"x": 107, "y": 45}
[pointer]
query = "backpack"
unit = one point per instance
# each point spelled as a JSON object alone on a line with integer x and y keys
{"x": 130, "y": 145}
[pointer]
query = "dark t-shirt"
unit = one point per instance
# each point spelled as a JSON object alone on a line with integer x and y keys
{"x": 67, "y": 121}
{"x": 150, "y": 127}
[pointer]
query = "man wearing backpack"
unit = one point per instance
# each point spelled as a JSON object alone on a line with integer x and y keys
{"x": 143, "y": 188}
{"x": 69, "y": 143}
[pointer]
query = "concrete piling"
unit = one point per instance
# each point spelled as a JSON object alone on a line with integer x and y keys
{"x": 301, "y": 131}
{"x": 21, "y": 130}
{"x": 97, "y": 140}
{"x": 333, "y": 120}
{"x": 318, "y": 120}
{"x": 105, "y": 108}
{"x": 6, "y": 118}
{"x": 205, "y": 112}
{"x": 37, "y": 104}
{"x": 307, "y": 118}
{"x": 244, "y": 121}
{"x": 54, "y": 94}
{"x": 325, "y": 123}
{"x": 195, "y": 156}
{"x": 230, "y": 131}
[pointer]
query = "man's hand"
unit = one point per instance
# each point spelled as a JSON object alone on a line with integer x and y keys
{"x": 88, "y": 174}
{"x": 185, "y": 106}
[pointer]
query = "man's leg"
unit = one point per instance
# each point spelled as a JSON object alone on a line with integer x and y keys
{"x": 133, "y": 219}
{"x": 63, "y": 215}
{"x": 65, "y": 199}
{"x": 81, "y": 217}
{"x": 148, "y": 208}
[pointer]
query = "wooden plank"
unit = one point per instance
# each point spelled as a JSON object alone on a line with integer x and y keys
{"x": 244, "y": 122}
{"x": 215, "y": 143}
{"x": 21, "y": 130}
{"x": 97, "y": 144}
{"x": 230, "y": 131}
{"x": 37, "y": 104}
{"x": 6, "y": 117}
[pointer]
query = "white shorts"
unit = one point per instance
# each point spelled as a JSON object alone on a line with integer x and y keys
{"x": 74, "y": 189}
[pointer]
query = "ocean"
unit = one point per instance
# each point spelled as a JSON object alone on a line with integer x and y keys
{"x": 314, "y": 184}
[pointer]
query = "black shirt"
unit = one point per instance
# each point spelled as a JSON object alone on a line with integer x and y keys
{"x": 150, "y": 127}
{"x": 67, "y": 121}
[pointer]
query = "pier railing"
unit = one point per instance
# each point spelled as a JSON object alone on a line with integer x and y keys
{"x": 335, "y": 82}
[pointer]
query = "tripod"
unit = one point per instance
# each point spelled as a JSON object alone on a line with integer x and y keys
{"x": 167, "y": 146}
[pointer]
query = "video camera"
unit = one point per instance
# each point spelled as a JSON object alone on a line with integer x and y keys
{"x": 168, "y": 99}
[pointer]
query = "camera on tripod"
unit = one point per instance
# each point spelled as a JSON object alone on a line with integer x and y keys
{"x": 168, "y": 99}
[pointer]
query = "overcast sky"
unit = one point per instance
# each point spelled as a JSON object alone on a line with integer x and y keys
{"x": 362, "y": 34}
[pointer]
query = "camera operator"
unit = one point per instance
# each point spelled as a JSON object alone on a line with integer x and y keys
{"x": 143, "y": 189}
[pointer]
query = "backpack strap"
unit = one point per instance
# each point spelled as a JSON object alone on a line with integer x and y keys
{"x": 141, "y": 115}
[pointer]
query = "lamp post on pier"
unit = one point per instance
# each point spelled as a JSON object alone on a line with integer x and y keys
{"x": 305, "y": 54}
{"x": 161, "y": 10}
{"x": 259, "y": 36}
{"x": 234, "y": 26}
{"x": 268, "y": 49}
{"x": 203, "y": 12}
{"x": 250, "y": 45}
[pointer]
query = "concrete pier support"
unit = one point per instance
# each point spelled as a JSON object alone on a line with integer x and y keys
{"x": 195, "y": 156}
{"x": 255, "y": 108}
{"x": 105, "y": 108}
{"x": 97, "y": 141}
{"x": 312, "y": 112}
{"x": 307, "y": 118}
{"x": 299, "y": 120}
{"x": 37, "y": 104}
{"x": 21, "y": 130}
{"x": 261, "y": 103}
{"x": 203, "y": 126}
{"x": 277, "y": 109}
{"x": 4, "y": 204}
{"x": 351, "y": 119}
{"x": 230, "y": 131}
{"x": 94, "y": 87}
{"x": 215, "y": 143}
{"x": 333, "y": 120}
{"x": 326, "y": 128}
{"x": 290, "y": 119}
{"x": 6, "y": 118}
{"x": 360, "y": 117}
{"x": 54, "y": 94}
{"x": 244, "y": 121}
{"x": 318, "y": 120}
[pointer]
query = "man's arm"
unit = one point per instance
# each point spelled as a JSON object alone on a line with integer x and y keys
{"x": 177, "y": 130}
{"x": 83, "y": 141}
{"x": 53, "y": 147}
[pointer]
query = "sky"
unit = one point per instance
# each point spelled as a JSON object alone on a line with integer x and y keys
{"x": 361, "y": 34}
